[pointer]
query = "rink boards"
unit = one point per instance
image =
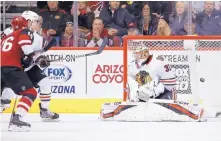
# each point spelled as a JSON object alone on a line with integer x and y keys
{"x": 82, "y": 85}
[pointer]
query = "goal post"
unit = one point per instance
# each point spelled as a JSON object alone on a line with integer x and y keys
{"x": 195, "y": 61}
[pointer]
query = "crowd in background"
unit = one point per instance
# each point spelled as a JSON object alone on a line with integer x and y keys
{"x": 116, "y": 19}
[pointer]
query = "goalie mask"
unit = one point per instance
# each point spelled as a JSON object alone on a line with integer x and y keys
{"x": 141, "y": 53}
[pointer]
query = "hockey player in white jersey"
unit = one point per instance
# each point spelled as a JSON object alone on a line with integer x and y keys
{"x": 149, "y": 79}
{"x": 36, "y": 75}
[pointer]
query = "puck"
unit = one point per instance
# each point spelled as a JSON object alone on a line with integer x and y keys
{"x": 202, "y": 80}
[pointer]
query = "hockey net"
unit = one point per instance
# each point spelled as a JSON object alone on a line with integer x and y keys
{"x": 195, "y": 61}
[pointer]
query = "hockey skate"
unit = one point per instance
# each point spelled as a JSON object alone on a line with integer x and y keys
{"x": 48, "y": 116}
{"x": 17, "y": 125}
{"x": 5, "y": 103}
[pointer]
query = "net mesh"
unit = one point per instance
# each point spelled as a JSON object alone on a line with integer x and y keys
{"x": 172, "y": 45}
{"x": 155, "y": 45}
{"x": 208, "y": 45}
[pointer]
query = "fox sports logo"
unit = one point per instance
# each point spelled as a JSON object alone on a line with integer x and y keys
{"x": 58, "y": 73}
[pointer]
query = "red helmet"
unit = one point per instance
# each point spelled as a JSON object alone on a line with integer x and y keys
{"x": 19, "y": 22}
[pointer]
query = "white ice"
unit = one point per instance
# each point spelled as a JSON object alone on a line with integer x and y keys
{"x": 76, "y": 127}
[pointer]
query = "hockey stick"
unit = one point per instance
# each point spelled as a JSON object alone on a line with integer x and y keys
{"x": 48, "y": 46}
{"x": 39, "y": 52}
{"x": 101, "y": 48}
{"x": 13, "y": 110}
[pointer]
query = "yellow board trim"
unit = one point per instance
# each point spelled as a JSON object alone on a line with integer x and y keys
{"x": 70, "y": 105}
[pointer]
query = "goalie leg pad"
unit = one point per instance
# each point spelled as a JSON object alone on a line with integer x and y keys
{"x": 140, "y": 111}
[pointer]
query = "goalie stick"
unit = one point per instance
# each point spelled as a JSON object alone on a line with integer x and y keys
{"x": 101, "y": 48}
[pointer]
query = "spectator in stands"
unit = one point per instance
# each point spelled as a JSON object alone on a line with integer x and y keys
{"x": 177, "y": 19}
{"x": 54, "y": 19}
{"x": 96, "y": 7}
{"x": 116, "y": 19}
{"x": 43, "y": 32}
{"x": 161, "y": 9}
{"x": 67, "y": 39}
{"x": 85, "y": 16}
{"x": 163, "y": 29}
{"x": 192, "y": 26}
{"x": 133, "y": 7}
{"x": 147, "y": 23}
{"x": 133, "y": 30}
{"x": 208, "y": 22}
{"x": 95, "y": 37}
{"x": 198, "y": 5}
{"x": 66, "y": 5}
{"x": 42, "y": 4}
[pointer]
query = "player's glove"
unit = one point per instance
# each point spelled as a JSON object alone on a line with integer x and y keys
{"x": 42, "y": 61}
{"x": 26, "y": 61}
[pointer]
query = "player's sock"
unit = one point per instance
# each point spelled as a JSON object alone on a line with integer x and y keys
{"x": 45, "y": 113}
{"x": 24, "y": 106}
{"x": 26, "y": 101}
{"x": 45, "y": 100}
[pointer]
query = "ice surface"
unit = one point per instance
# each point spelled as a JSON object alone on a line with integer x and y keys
{"x": 75, "y": 127}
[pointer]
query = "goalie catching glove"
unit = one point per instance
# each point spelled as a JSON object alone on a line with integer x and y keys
{"x": 150, "y": 90}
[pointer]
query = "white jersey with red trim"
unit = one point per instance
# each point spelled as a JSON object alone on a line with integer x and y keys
{"x": 156, "y": 68}
{"x": 37, "y": 45}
